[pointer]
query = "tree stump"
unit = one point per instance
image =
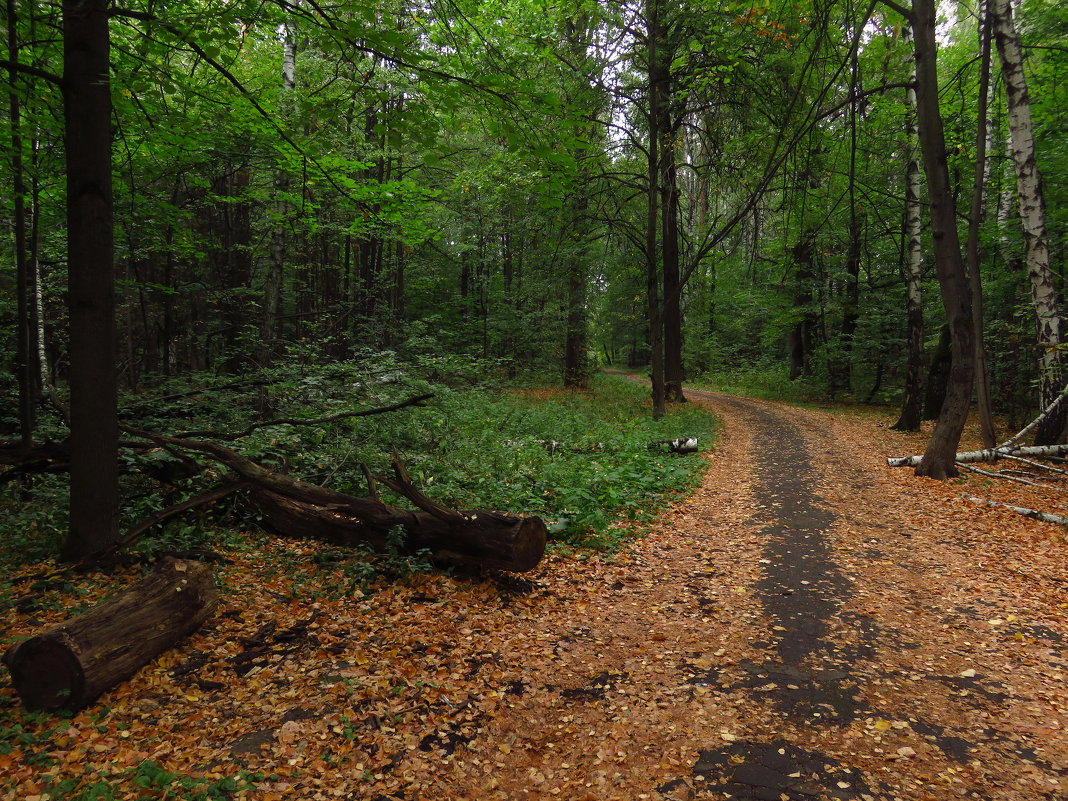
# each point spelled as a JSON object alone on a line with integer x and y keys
{"x": 72, "y": 664}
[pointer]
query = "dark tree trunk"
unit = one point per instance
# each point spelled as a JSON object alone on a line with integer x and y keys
{"x": 842, "y": 364}
{"x": 799, "y": 340}
{"x": 239, "y": 256}
{"x": 654, "y": 35}
{"x": 938, "y": 459}
{"x": 72, "y": 664}
{"x": 911, "y": 406}
{"x": 300, "y": 509}
{"x": 660, "y": 79}
{"x": 938, "y": 375}
{"x": 480, "y": 538}
{"x": 975, "y": 219}
{"x": 94, "y": 494}
{"x": 575, "y": 368}
{"x": 25, "y": 274}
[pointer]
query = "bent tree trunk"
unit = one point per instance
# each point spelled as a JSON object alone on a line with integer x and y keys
{"x": 938, "y": 461}
{"x": 73, "y": 663}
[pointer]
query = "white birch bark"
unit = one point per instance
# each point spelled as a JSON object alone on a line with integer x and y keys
{"x": 910, "y": 411}
{"x": 1032, "y": 202}
{"x": 272, "y": 286}
{"x": 1034, "y": 514}
{"x": 987, "y": 455}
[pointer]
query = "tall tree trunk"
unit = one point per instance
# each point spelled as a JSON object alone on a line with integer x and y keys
{"x": 652, "y": 275}
{"x": 25, "y": 274}
{"x": 669, "y": 233}
{"x": 842, "y": 372}
{"x": 239, "y": 257}
{"x": 1033, "y": 219}
{"x": 576, "y": 368}
{"x": 975, "y": 218}
{"x": 938, "y": 459}
{"x": 94, "y": 494}
{"x": 272, "y": 287}
{"x": 912, "y": 405}
{"x": 799, "y": 340}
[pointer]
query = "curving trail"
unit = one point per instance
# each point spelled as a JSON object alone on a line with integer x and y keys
{"x": 809, "y": 625}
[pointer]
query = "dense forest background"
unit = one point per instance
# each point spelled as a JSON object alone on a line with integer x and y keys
{"x": 718, "y": 190}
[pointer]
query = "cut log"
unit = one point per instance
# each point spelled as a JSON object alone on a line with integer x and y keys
{"x": 988, "y": 455}
{"x": 479, "y": 538}
{"x": 72, "y": 664}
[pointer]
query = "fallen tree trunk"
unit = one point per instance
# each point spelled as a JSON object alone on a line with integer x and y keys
{"x": 481, "y": 538}
{"x": 1034, "y": 514}
{"x": 72, "y": 664}
{"x": 987, "y": 455}
{"x": 297, "y": 508}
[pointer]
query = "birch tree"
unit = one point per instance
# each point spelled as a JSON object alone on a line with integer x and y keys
{"x": 912, "y": 405}
{"x": 1032, "y": 218}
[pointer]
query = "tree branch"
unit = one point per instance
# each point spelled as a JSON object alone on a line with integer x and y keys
{"x": 296, "y": 421}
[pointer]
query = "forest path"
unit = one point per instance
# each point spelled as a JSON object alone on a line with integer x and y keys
{"x": 809, "y": 624}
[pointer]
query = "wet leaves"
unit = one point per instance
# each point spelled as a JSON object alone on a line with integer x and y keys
{"x": 612, "y": 678}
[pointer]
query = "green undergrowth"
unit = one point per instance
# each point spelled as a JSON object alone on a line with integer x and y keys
{"x": 769, "y": 383}
{"x": 587, "y": 462}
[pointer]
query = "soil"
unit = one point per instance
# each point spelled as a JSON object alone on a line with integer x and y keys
{"x": 809, "y": 624}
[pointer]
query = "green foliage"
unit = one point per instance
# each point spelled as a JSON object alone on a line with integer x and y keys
{"x": 150, "y": 781}
{"x": 770, "y": 381}
{"x": 581, "y": 461}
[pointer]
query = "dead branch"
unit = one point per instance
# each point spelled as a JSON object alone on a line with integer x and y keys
{"x": 987, "y": 455}
{"x": 1005, "y": 477}
{"x": 1023, "y": 432}
{"x": 131, "y": 536}
{"x": 418, "y": 400}
{"x": 1040, "y": 465}
{"x": 300, "y": 509}
{"x": 1034, "y": 514}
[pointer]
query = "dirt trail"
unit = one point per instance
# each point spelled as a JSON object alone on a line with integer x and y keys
{"x": 811, "y": 624}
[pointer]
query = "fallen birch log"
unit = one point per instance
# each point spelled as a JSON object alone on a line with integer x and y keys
{"x": 987, "y": 455}
{"x": 72, "y": 664}
{"x": 681, "y": 445}
{"x": 1034, "y": 514}
{"x": 1023, "y": 432}
{"x": 1004, "y": 477}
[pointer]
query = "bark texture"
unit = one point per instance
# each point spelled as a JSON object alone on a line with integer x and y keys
{"x": 94, "y": 495}
{"x": 1032, "y": 218}
{"x": 478, "y": 538}
{"x": 297, "y": 508}
{"x": 938, "y": 461}
{"x": 73, "y": 663}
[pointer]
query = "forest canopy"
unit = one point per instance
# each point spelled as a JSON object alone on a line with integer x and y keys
{"x": 739, "y": 191}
